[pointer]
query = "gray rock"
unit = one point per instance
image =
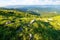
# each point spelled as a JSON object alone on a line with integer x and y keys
{"x": 8, "y": 22}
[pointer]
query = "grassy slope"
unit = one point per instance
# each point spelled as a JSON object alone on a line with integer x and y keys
{"x": 18, "y": 29}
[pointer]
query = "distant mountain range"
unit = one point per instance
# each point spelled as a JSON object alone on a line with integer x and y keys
{"x": 35, "y": 7}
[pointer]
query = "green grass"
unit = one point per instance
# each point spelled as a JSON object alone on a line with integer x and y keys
{"x": 20, "y": 28}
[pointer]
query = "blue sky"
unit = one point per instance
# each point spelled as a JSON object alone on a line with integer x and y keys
{"x": 29, "y": 2}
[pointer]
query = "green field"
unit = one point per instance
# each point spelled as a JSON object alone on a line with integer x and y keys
{"x": 18, "y": 25}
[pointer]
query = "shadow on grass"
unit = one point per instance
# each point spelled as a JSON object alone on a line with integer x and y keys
{"x": 44, "y": 30}
{"x": 47, "y": 31}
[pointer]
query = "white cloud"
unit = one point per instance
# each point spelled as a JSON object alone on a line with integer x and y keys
{"x": 39, "y": 2}
{"x": 29, "y": 2}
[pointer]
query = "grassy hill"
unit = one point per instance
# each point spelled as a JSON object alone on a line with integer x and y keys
{"x": 18, "y": 25}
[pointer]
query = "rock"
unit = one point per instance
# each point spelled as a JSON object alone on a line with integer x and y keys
{"x": 8, "y": 22}
{"x": 32, "y": 21}
{"x": 19, "y": 29}
{"x": 31, "y": 36}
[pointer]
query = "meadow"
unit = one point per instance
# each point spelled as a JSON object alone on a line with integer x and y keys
{"x": 18, "y": 25}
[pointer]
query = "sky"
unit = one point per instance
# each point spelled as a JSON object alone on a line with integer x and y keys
{"x": 29, "y": 2}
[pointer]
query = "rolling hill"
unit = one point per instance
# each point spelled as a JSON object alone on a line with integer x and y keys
{"x": 40, "y": 10}
{"x": 20, "y": 25}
